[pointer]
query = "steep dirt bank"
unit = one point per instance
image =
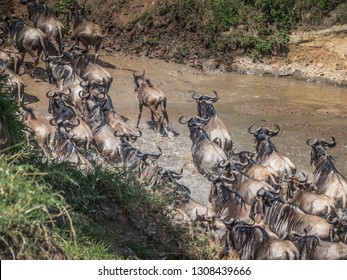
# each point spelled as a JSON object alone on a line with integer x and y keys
{"x": 318, "y": 56}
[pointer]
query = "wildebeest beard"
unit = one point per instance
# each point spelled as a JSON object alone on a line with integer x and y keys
{"x": 265, "y": 147}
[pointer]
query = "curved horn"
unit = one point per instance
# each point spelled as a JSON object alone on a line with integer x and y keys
{"x": 67, "y": 94}
{"x": 331, "y": 144}
{"x": 305, "y": 179}
{"x": 234, "y": 153}
{"x": 155, "y": 157}
{"x": 332, "y": 219}
{"x": 52, "y": 122}
{"x": 119, "y": 135}
{"x": 215, "y": 98}
{"x": 78, "y": 123}
{"x": 143, "y": 74}
{"x": 286, "y": 178}
{"x": 253, "y": 131}
{"x": 194, "y": 94}
{"x": 181, "y": 122}
{"x": 49, "y": 94}
{"x": 83, "y": 95}
{"x": 315, "y": 140}
{"x": 84, "y": 83}
{"x": 134, "y": 137}
{"x": 202, "y": 119}
{"x": 261, "y": 192}
{"x": 224, "y": 163}
{"x": 275, "y": 132}
{"x": 212, "y": 177}
{"x": 138, "y": 153}
{"x": 177, "y": 173}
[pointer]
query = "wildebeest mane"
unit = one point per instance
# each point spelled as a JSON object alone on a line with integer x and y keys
{"x": 95, "y": 112}
{"x": 226, "y": 196}
{"x": 306, "y": 245}
{"x": 324, "y": 166}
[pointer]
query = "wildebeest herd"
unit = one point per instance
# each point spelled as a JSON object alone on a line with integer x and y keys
{"x": 260, "y": 205}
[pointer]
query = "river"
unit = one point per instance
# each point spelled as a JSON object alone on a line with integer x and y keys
{"x": 301, "y": 109}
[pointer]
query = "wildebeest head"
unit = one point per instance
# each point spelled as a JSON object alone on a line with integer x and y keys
{"x": 139, "y": 80}
{"x": 318, "y": 148}
{"x": 37, "y": 7}
{"x": 201, "y": 98}
{"x": 264, "y": 133}
{"x": 194, "y": 124}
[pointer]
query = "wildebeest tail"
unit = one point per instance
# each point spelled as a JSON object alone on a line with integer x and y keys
{"x": 163, "y": 110}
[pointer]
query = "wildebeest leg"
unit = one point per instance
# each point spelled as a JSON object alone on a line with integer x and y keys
{"x": 140, "y": 114}
{"x": 152, "y": 118}
{"x": 22, "y": 61}
{"x": 36, "y": 59}
{"x": 54, "y": 44}
{"x": 97, "y": 47}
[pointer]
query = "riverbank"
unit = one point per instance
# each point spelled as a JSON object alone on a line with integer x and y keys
{"x": 314, "y": 56}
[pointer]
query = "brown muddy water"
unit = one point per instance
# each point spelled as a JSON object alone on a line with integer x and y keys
{"x": 301, "y": 109}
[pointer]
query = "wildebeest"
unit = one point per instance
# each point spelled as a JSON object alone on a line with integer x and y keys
{"x": 11, "y": 58}
{"x": 326, "y": 178}
{"x": 206, "y": 154}
{"x": 89, "y": 71}
{"x": 246, "y": 187}
{"x": 40, "y": 131}
{"x": 59, "y": 109}
{"x": 105, "y": 140}
{"x": 85, "y": 31}
{"x": 254, "y": 243}
{"x": 267, "y": 152}
{"x": 254, "y": 170}
{"x": 152, "y": 98}
{"x": 14, "y": 84}
{"x": 215, "y": 128}
{"x": 284, "y": 218}
{"x": 27, "y": 39}
{"x": 311, "y": 247}
{"x": 308, "y": 200}
{"x": 42, "y": 18}
{"x": 228, "y": 205}
{"x": 192, "y": 209}
{"x": 66, "y": 150}
{"x": 67, "y": 81}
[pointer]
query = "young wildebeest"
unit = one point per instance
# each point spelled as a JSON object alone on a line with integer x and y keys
{"x": 152, "y": 98}
{"x": 42, "y": 18}
{"x": 27, "y": 39}
{"x": 326, "y": 178}
{"x": 84, "y": 30}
